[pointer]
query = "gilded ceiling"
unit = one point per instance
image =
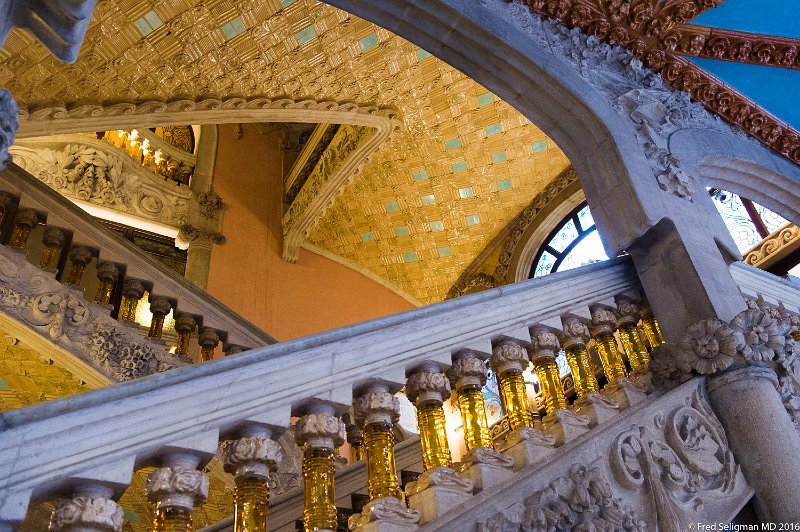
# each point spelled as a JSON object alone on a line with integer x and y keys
{"x": 460, "y": 167}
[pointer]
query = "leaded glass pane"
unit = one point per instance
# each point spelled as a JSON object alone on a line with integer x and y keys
{"x": 564, "y": 237}
{"x": 772, "y": 220}
{"x": 585, "y": 218}
{"x": 491, "y": 396}
{"x": 737, "y": 220}
{"x": 545, "y": 264}
{"x": 588, "y": 251}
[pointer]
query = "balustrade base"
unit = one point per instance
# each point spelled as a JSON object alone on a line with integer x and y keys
{"x": 385, "y": 514}
{"x": 486, "y": 475}
{"x": 625, "y": 391}
{"x": 104, "y": 309}
{"x": 435, "y": 501}
{"x": 565, "y": 425}
{"x": 528, "y": 446}
{"x": 597, "y": 407}
{"x": 641, "y": 376}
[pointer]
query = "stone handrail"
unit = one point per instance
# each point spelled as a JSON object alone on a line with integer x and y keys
{"x": 754, "y": 282}
{"x": 38, "y": 196}
{"x": 110, "y": 431}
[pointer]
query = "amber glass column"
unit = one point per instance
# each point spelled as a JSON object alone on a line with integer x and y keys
{"x": 208, "y": 340}
{"x": 468, "y": 376}
{"x": 53, "y": 240}
{"x": 79, "y": 257}
{"x": 250, "y": 459}
{"x": 6, "y": 201}
{"x": 132, "y": 292}
{"x": 184, "y": 326}
{"x": 26, "y": 220}
{"x": 574, "y": 337}
{"x": 377, "y": 409}
{"x": 604, "y": 323}
{"x": 545, "y": 347}
{"x": 651, "y": 328}
{"x": 628, "y": 317}
{"x": 159, "y": 307}
{"x": 509, "y": 360}
{"x": 107, "y": 273}
{"x": 319, "y": 432}
{"x": 175, "y": 488}
{"x": 355, "y": 437}
{"x": 428, "y": 388}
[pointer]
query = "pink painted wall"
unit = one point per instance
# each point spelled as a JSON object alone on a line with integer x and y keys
{"x": 247, "y": 273}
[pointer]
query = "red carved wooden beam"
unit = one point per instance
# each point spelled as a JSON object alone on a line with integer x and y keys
{"x": 645, "y": 28}
{"x": 739, "y": 46}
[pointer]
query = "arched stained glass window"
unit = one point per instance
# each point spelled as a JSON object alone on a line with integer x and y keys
{"x": 749, "y": 223}
{"x": 574, "y": 243}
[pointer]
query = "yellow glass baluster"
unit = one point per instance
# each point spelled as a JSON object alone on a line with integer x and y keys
{"x": 172, "y": 520}
{"x": 613, "y": 366}
{"x": 652, "y": 330}
{"x": 634, "y": 346}
{"x": 550, "y": 382}
{"x": 514, "y": 399}
{"x": 473, "y": 416}
{"x": 433, "y": 436}
{"x": 251, "y": 501}
{"x": 381, "y": 470}
{"x": 582, "y": 371}
{"x": 319, "y": 511}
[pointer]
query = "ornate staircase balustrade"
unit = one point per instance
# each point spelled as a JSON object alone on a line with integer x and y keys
{"x": 92, "y": 262}
{"x": 96, "y": 439}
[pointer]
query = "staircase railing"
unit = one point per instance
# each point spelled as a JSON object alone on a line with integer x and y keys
{"x": 102, "y": 435}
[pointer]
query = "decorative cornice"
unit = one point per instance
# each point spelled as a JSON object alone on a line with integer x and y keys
{"x": 780, "y": 242}
{"x": 695, "y": 40}
{"x": 645, "y": 28}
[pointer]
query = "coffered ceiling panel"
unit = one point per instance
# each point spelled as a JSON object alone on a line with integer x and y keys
{"x": 461, "y": 165}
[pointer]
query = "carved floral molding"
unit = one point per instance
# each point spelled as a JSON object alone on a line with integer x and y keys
{"x": 782, "y": 241}
{"x": 739, "y": 46}
{"x": 651, "y": 30}
{"x": 47, "y": 307}
{"x": 91, "y": 170}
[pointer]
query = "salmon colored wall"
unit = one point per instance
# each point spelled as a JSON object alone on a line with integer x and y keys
{"x": 247, "y": 273}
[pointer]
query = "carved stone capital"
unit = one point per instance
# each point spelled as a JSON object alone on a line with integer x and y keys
{"x": 443, "y": 477}
{"x": 355, "y": 434}
{"x": 132, "y": 288}
{"x": 386, "y": 510}
{"x": 575, "y": 330}
{"x": 544, "y": 342}
{"x": 604, "y": 319}
{"x": 177, "y": 487}
{"x": 761, "y": 338}
{"x": 208, "y": 338}
{"x": 53, "y": 237}
{"x": 428, "y": 384}
{"x": 27, "y": 218}
{"x": 188, "y": 233}
{"x": 9, "y": 122}
{"x": 319, "y": 430}
{"x": 87, "y": 513}
{"x": 210, "y": 205}
{"x": 253, "y": 456}
{"x": 628, "y": 312}
{"x": 377, "y": 407}
{"x": 710, "y": 346}
{"x": 107, "y": 271}
{"x": 160, "y": 305}
{"x": 80, "y": 255}
{"x": 185, "y": 324}
{"x": 508, "y": 356}
{"x": 488, "y": 456}
{"x": 468, "y": 370}
{"x": 234, "y": 349}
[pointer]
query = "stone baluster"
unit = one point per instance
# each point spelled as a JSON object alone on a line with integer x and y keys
{"x": 628, "y": 315}
{"x": 355, "y": 437}
{"x": 250, "y": 459}
{"x": 107, "y": 273}
{"x": 175, "y": 488}
{"x": 79, "y": 257}
{"x": 208, "y": 340}
{"x": 525, "y": 444}
{"x": 619, "y": 387}
{"x": 482, "y": 464}
{"x": 25, "y": 221}
{"x": 233, "y": 349}
{"x": 439, "y": 488}
{"x": 159, "y": 306}
{"x": 377, "y": 409}
{"x": 651, "y": 328}
{"x": 319, "y": 431}
{"x": 185, "y": 325}
{"x": 132, "y": 292}
{"x": 563, "y": 424}
{"x": 53, "y": 240}
{"x": 91, "y": 509}
{"x": 592, "y": 404}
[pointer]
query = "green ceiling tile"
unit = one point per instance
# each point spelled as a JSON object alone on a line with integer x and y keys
{"x": 539, "y": 146}
{"x": 305, "y": 35}
{"x": 368, "y": 236}
{"x": 392, "y": 206}
{"x": 453, "y": 144}
{"x": 4, "y": 385}
{"x": 287, "y": 3}
{"x": 493, "y": 129}
{"x": 445, "y": 252}
{"x": 467, "y": 192}
{"x": 420, "y": 175}
{"x": 499, "y": 157}
{"x": 459, "y": 166}
{"x": 409, "y": 256}
{"x": 505, "y": 184}
{"x": 428, "y": 199}
{"x": 473, "y": 219}
{"x": 422, "y": 55}
{"x": 233, "y": 28}
{"x": 437, "y": 225}
{"x": 402, "y": 231}
{"x": 368, "y": 43}
{"x": 485, "y": 99}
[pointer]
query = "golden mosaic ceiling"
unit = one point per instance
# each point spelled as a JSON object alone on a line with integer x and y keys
{"x": 461, "y": 166}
